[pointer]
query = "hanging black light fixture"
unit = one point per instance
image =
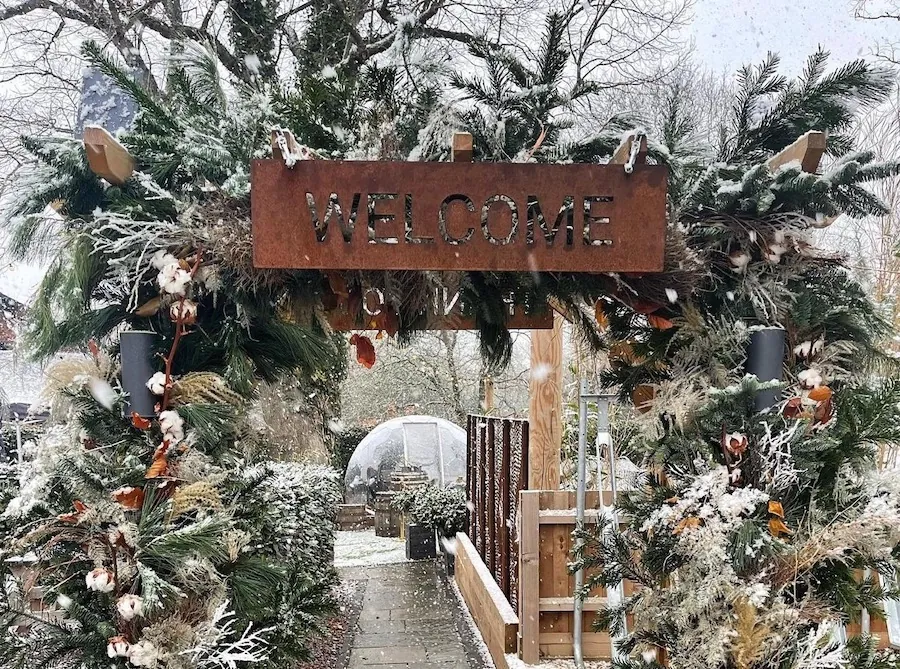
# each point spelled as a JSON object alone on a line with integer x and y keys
{"x": 765, "y": 360}
{"x": 136, "y": 349}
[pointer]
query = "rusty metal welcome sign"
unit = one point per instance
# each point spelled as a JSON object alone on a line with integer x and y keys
{"x": 458, "y": 216}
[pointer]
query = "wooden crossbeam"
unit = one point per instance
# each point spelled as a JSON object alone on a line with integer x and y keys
{"x": 106, "y": 157}
{"x": 808, "y": 150}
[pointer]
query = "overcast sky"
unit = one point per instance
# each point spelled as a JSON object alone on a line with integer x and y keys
{"x": 729, "y": 33}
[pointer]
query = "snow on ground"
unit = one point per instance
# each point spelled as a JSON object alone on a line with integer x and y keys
{"x": 362, "y": 548}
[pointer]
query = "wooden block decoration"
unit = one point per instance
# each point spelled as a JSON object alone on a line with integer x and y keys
{"x": 106, "y": 157}
{"x": 463, "y": 148}
{"x": 808, "y": 150}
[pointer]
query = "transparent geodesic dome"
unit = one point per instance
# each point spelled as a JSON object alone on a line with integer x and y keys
{"x": 433, "y": 445}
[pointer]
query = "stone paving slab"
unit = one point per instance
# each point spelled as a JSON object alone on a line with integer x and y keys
{"x": 408, "y": 620}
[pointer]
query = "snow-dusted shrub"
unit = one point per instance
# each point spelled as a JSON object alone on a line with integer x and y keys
{"x": 293, "y": 508}
{"x": 443, "y": 509}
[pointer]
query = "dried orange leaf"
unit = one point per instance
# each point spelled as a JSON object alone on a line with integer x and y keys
{"x": 820, "y": 394}
{"x": 365, "y": 350}
{"x": 777, "y": 527}
{"x": 600, "y": 314}
{"x": 691, "y": 522}
{"x": 158, "y": 468}
{"x": 642, "y": 397}
{"x": 659, "y": 322}
{"x": 139, "y": 421}
{"x": 130, "y": 498}
{"x": 793, "y": 408}
{"x": 776, "y": 509}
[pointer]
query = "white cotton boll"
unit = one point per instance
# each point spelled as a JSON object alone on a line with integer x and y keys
{"x": 649, "y": 656}
{"x": 162, "y": 258}
{"x": 328, "y": 72}
{"x": 172, "y": 426}
{"x": 117, "y": 646}
{"x": 184, "y": 311}
{"x": 818, "y": 346}
{"x": 157, "y": 383}
{"x": 810, "y": 378}
{"x": 803, "y": 350}
{"x": 102, "y": 392}
{"x": 100, "y": 580}
{"x": 130, "y": 607}
{"x": 672, "y": 294}
{"x": 143, "y": 654}
{"x": 64, "y": 602}
{"x": 173, "y": 279}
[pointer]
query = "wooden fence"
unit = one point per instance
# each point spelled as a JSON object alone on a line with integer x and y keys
{"x": 546, "y": 590}
{"x": 497, "y": 471}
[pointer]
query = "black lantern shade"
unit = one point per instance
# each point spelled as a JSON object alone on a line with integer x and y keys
{"x": 765, "y": 359}
{"x": 136, "y": 348}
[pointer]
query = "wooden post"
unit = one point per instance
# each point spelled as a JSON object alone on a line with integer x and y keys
{"x": 545, "y": 407}
{"x": 529, "y": 577}
{"x": 808, "y": 150}
{"x": 463, "y": 148}
{"x": 488, "y": 395}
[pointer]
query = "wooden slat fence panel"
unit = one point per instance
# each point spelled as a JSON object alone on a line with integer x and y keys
{"x": 497, "y": 471}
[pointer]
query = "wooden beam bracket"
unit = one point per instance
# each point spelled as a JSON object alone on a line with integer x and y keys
{"x": 462, "y": 149}
{"x": 807, "y": 150}
{"x": 629, "y": 153}
{"x": 106, "y": 157}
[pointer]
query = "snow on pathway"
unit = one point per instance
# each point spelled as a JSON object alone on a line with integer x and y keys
{"x": 362, "y": 548}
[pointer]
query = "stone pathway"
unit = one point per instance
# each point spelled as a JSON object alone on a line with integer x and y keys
{"x": 409, "y": 619}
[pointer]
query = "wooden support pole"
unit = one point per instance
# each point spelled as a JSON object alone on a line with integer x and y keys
{"x": 545, "y": 407}
{"x": 488, "y": 384}
{"x": 808, "y": 150}
{"x": 106, "y": 157}
{"x": 463, "y": 147}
